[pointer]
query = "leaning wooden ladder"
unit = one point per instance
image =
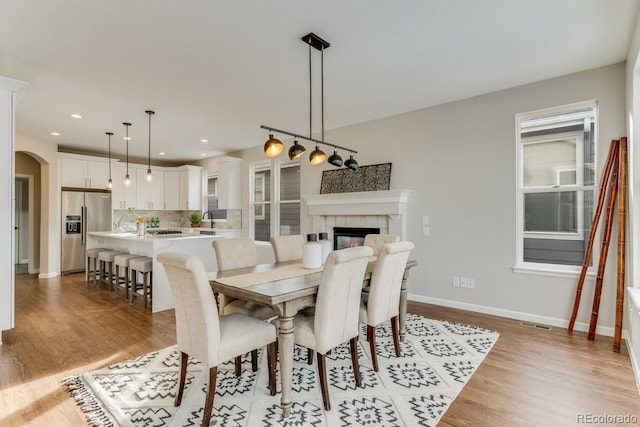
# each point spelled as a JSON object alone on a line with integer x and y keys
{"x": 615, "y": 178}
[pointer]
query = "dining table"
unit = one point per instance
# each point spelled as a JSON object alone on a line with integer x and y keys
{"x": 288, "y": 287}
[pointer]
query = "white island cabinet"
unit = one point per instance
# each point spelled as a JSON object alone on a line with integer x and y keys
{"x": 192, "y": 244}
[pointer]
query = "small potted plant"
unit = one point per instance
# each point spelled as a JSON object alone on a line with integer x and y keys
{"x": 195, "y": 219}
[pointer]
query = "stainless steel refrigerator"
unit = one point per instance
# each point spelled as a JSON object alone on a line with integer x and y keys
{"x": 82, "y": 212}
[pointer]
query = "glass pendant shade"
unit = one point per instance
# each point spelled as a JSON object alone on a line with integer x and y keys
{"x": 127, "y": 180}
{"x": 110, "y": 183}
{"x": 317, "y": 156}
{"x": 335, "y": 159}
{"x": 149, "y": 175}
{"x": 351, "y": 163}
{"x": 296, "y": 150}
{"x": 273, "y": 146}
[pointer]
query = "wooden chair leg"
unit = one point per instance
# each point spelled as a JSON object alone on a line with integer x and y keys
{"x": 309, "y": 357}
{"x": 254, "y": 360}
{"x": 238, "y": 365}
{"x": 211, "y": 393}
{"x": 184, "y": 357}
{"x": 271, "y": 363}
{"x": 396, "y": 335}
{"x": 354, "y": 360}
{"x": 324, "y": 387}
{"x": 145, "y": 277}
{"x": 371, "y": 333}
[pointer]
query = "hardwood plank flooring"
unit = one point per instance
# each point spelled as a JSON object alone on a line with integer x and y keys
{"x": 532, "y": 377}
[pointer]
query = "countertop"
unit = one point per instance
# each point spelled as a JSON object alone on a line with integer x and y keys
{"x": 150, "y": 237}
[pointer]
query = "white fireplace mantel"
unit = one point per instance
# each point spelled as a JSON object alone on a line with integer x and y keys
{"x": 392, "y": 203}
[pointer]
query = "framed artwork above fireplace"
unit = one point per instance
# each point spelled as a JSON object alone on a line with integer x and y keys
{"x": 365, "y": 178}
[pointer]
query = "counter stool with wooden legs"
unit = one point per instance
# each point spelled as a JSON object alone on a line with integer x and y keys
{"x": 143, "y": 265}
{"x": 92, "y": 263}
{"x": 123, "y": 261}
{"x": 106, "y": 266}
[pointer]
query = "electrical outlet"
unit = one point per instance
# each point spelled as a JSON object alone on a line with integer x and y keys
{"x": 455, "y": 282}
{"x": 425, "y": 230}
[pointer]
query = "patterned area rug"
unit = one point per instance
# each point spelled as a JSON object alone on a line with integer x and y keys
{"x": 438, "y": 358}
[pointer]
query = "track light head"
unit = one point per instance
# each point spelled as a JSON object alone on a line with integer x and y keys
{"x": 273, "y": 146}
{"x": 351, "y": 163}
{"x": 317, "y": 156}
{"x": 296, "y": 150}
{"x": 335, "y": 159}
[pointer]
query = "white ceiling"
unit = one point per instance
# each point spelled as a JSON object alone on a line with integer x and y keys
{"x": 219, "y": 69}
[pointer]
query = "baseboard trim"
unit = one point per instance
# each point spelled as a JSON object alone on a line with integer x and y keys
{"x": 48, "y": 275}
{"x": 552, "y": 321}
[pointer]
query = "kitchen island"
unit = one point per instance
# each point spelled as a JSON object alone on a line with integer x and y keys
{"x": 193, "y": 244}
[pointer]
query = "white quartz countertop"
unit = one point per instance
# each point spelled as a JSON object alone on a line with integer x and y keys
{"x": 133, "y": 236}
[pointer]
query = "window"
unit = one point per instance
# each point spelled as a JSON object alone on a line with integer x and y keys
{"x": 211, "y": 202}
{"x": 276, "y": 199}
{"x": 556, "y": 185}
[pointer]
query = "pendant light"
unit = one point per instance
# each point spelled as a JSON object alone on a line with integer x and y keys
{"x": 110, "y": 182}
{"x": 351, "y": 163}
{"x": 149, "y": 175}
{"x": 296, "y": 150}
{"x": 274, "y": 146}
{"x": 127, "y": 178}
{"x": 335, "y": 159}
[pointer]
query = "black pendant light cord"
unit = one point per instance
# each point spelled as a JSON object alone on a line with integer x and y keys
{"x": 322, "y": 88}
{"x": 310, "y": 97}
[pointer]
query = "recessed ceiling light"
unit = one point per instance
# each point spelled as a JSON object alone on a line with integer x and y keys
{"x": 204, "y": 140}
{"x": 75, "y": 116}
{"x": 162, "y": 153}
{"x": 203, "y": 154}
{"x": 126, "y": 138}
{"x": 55, "y": 133}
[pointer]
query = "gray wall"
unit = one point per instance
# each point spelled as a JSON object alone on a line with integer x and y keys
{"x": 459, "y": 158}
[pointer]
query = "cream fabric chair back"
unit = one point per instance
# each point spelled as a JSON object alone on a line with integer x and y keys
{"x": 287, "y": 248}
{"x": 338, "y": 300}
{"x": 197, "y": 323}
{"x": 235, "y": 253}
{"x": 386, "y": 281}
{"x": 376, "y": 241}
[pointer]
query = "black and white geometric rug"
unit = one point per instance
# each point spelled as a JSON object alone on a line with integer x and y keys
{"x": 438, "y": 358}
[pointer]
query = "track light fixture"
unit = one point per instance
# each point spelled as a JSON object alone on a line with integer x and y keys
{"x": 110, "y": 182}
{"x": 274, "y": 146}
{"x": 351, "y": 163}
{"x": 149, "y": 175}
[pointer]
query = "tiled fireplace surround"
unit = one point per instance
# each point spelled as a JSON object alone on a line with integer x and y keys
{"x": 386, "y": 210}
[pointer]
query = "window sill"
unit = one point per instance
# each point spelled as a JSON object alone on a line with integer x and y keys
{"x": 553, "y": 272}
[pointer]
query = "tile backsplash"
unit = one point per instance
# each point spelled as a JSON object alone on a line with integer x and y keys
{"x": 180, "y": 219}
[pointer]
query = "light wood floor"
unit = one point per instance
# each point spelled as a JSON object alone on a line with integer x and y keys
{"x": 531, "y": 377}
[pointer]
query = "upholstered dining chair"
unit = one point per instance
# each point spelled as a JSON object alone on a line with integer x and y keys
{"x": 376, "y": 241}
{"x": 202, "y": 334}
{"x": 287, "y": 248}
{"x": 383, "y": 300}
{"x": 239, "y": 253}
{"x": 336, "y": 315}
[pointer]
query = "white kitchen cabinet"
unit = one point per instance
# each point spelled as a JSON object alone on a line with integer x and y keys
{"x": 229, "y": 182}
{"x": 172, "y": 190}
{"x": 123, "y": 196}
{"x": 149, "y": 194}
{"x": 83, "y": 173}
{"x": 190, "y": 192}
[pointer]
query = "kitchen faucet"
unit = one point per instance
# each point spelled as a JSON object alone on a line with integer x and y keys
{"x": 204, "y": 214}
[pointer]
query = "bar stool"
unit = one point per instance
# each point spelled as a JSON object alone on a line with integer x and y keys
{"x": 142, "y": 265}
{"x": 92, "y": 255}
{"x": 123, "y": 261}
{"x": 106, "y": 265}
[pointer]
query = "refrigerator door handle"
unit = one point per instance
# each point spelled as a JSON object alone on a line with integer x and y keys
{"x": 84, "y": 225}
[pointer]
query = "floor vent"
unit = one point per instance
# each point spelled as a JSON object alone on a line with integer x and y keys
{"x": 535, "y": 325}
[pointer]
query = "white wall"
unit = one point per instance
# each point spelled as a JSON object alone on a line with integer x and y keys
{"x": 459, "y": 158}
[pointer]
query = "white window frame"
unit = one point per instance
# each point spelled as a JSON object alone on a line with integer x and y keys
{"x": 560, "y": 270}
{"x": 274, "y": 204}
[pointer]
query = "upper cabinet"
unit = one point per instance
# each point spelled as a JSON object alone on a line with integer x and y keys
{"x": 150, "y": 194}
{"x": 172, "y": 190}
{"x": 229, "y": 183}
{"x": 190, "y": 190}
{"x": 123, "y": 196}
{"x": 84, "y": 173}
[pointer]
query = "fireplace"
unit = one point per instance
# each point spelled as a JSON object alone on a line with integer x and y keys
{"x": 347, "y": 237}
